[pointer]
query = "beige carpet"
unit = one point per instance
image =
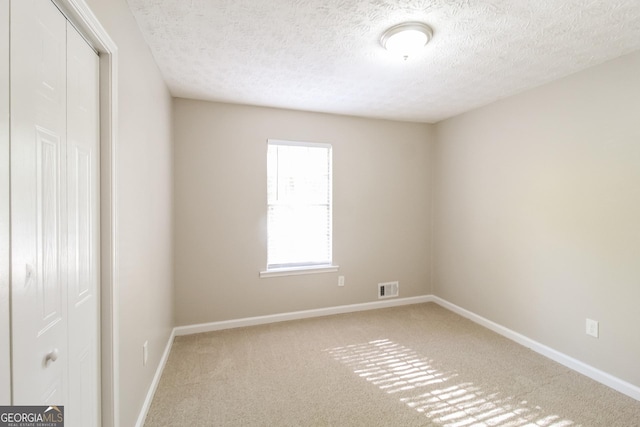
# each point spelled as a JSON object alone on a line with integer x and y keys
{"x": 418, "y": 365}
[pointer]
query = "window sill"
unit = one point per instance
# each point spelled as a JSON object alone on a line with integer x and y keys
{"x": 295, "y": 271}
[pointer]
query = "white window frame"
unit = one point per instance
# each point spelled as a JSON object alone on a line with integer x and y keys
{"x": 287, "y": 270}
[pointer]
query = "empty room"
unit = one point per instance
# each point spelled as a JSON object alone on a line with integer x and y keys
{"x": 320, "y": 213}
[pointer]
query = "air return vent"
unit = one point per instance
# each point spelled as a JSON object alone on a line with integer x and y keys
{"x": 388, "y": 290}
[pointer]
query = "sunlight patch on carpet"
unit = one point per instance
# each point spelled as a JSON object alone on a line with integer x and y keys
{"x": 441, "y": 396}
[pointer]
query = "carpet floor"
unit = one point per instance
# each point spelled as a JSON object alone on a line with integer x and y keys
{"x": 417, "y": 365}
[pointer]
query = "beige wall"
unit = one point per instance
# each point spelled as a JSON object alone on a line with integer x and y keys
{"x": 381, "y": 209}
{"x": 144, "y": 207}
{"x": 538, "y": 210}
{"x": 5, "y": 354}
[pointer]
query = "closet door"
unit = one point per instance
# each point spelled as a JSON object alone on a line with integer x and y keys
{"x": 54, "y": 213}
{"x": 38, "y": 203}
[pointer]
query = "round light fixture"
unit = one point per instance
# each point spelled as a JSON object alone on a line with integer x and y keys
{"x": 406, "y": 38}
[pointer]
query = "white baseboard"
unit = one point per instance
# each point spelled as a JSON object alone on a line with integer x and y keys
{"x": 156, "y": 380}
{"x": 571, "y": 363}
{"x": 273, "y": 318}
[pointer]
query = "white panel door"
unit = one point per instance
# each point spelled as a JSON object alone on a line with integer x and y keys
{"x": 54, "y": 213}
{"x": 38, "y": 217}
{"x": 82, "y": 227}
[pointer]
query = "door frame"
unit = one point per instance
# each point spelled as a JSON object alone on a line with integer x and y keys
{"x": 81, "y": 16}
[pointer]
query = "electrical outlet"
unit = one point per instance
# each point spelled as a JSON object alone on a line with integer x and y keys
{"x": 592, "y": 328}
{"x": 145, "y": 352}
{"x": 340, "y": 280}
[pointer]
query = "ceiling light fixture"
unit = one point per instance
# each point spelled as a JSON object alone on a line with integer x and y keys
{"x": 407, "y": 38}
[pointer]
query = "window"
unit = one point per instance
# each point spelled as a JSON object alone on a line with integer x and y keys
{"x": 298, "y": 206}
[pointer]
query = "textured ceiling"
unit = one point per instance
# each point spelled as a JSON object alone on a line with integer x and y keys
{"x": 324, "y": 55}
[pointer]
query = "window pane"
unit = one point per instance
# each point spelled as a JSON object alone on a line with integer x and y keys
{"x": 298, "y": 235}
{"x": 298, "y": 175}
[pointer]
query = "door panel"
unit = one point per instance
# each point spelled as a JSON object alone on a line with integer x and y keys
{"x": 38, "y": 162}
{"x": 50, "y": 281}
{"x": 83, "y": 222}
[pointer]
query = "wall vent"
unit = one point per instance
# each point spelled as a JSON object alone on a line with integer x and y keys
{"x": 388, "y": 289}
